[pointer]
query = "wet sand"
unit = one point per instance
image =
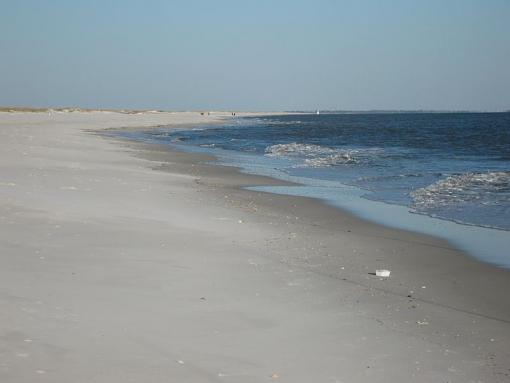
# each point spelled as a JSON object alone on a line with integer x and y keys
{"x": 122, "y": 261}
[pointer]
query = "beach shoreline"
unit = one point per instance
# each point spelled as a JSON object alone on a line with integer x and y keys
{"x": 220, "y": 180}
{"x": 237, "y": 285}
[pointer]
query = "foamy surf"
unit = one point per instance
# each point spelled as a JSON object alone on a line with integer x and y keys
{"x": 490, "y": 188}
{"x": 298, "y": 149}
{"x": 465, "y": 197}
{"x": 317, "y": 156}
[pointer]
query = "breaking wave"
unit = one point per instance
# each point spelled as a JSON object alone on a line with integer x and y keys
{"x": 316, "y": 156}
{"x": 344, "y": 158}
{"x": 295, "y": 149}
{"x": 490, "y": 188}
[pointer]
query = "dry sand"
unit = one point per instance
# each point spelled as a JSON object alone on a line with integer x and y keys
{"x": 123, "y": 262}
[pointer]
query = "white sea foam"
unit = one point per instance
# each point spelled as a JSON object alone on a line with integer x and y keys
{"x": 490, "y": 188}
{"x": 322, "y": 156}
{"x": 345, "y": 158}
{"x": 160, "y": 134}
{"x": 296, "y": 149}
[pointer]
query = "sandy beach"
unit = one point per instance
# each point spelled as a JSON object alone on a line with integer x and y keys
{"x": 130, "y": 262}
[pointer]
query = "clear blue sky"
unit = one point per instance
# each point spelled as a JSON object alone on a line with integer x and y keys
{"x": 256, "y": 55}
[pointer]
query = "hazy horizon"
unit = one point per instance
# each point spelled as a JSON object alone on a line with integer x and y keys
{"x": 289, "y": 55}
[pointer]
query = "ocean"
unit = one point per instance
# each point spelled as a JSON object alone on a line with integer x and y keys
{"x": 451, "y": 169}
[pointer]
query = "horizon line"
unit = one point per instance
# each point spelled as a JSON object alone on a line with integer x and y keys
{"x": 35, "y": 109}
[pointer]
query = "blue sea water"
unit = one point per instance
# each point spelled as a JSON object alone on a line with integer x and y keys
{"x": 406, "y": 167}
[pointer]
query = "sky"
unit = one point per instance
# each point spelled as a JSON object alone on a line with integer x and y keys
{"x": 256, "y": 55}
